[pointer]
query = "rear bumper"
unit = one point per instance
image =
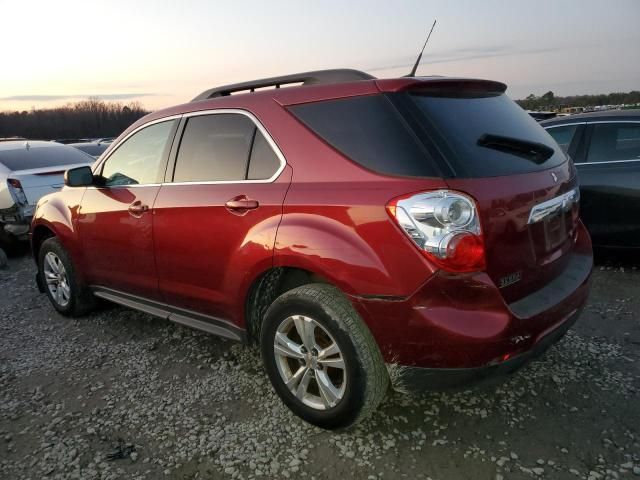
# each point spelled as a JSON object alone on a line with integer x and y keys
{"x": 458, "y": 328}
{"x": 16, "y": 221}
{"x": 418, "y": 379}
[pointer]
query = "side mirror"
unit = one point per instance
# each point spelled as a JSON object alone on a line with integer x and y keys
{"x": 78, "y": 177}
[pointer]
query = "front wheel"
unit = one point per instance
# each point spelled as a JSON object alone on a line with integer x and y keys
{"x": 321, "y": 358}
{"x": 65, "y": 291}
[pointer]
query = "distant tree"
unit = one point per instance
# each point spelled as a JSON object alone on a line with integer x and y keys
{"x": 550, "y": 101}
{"x": 548, "y": 97}
{"x": 86, "y": 119}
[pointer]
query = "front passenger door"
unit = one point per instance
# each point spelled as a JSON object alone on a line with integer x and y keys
{"x": 115, "y": 219}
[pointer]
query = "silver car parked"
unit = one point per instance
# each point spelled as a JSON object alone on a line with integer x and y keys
{"x": 28, "y": 171}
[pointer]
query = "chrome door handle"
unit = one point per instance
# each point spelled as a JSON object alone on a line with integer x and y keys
{"x": 138, "y": 208}
{"x": 241, "y": 204}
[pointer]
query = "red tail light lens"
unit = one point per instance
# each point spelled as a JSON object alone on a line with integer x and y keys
{"x": 18, "y": 192}
{"x": 14, "y": 183}
{"x": 445, "y": 226}
{"x": 466, "y": 251}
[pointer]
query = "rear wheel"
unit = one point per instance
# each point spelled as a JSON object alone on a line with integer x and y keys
{"x": 65, "y": 291}
{"x": 321, "y": 358}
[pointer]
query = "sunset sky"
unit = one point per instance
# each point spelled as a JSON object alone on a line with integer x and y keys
{"x": 165, "y": 52}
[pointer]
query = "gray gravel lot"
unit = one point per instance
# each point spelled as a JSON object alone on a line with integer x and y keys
{"x": 179, "y": 404}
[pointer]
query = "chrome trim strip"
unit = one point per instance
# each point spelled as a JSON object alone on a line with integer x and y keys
{"x": 609, "y": 161}
{"x": 570, "y": 124}
{"x": 615, "y": 121}
{"x": 134, "y": 185}
{"x": 550, "y": 207}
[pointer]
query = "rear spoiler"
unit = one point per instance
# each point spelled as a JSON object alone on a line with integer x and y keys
{"x": 441, "y": 85}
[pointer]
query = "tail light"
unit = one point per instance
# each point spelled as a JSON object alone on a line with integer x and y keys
{"x": 445, "y": 227}
{"x": 18, "y": 192}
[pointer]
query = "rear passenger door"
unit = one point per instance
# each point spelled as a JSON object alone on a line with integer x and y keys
{"x": 609, "y": 174}
{"x": 217, "y": 214}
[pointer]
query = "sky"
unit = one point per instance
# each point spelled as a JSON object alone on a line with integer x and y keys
{"x": 161, "y": 53}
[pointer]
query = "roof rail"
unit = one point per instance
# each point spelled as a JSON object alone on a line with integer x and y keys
{"x": 306, "y": 78}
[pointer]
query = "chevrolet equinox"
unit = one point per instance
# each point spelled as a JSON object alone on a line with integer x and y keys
{"x": 343, "y": 223}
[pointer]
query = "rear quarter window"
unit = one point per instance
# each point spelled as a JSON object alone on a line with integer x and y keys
{"x": 369, "y": 131}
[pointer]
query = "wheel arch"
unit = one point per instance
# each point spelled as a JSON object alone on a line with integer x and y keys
{"x": 268, "y": 286}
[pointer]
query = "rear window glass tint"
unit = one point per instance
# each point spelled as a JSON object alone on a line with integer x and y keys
{"x": 264, "y": 162}
{"x": 370, "y": 131}
{"x": 563, "y": 135}
{"x": 42, "y": 157}
{"x": 456, "y": 124}
{"x": 614, "y": 141}
{"x": 214, "y": 148}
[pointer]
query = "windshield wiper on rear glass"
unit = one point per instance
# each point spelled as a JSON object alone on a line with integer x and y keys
{"x": 536, "y": 152}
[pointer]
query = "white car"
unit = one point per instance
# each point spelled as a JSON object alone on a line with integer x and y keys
{"x": 28, "y": 171}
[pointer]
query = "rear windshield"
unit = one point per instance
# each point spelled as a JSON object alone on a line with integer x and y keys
{"x": 486, "y": 135}
{"x": 42, "y": 157}
{"x": 479, "y": 135}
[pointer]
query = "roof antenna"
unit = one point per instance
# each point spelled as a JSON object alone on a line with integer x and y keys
{"x": 415, "y": 67}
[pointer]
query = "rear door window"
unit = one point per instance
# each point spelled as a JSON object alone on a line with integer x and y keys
{"x": 614, "y": 141}
{"x": 563, "y": 135}
{"x": 214, "y": 148}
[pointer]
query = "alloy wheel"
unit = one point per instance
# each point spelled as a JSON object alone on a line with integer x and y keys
{"x": 310, "y": 362}
{"x": 55, "y": 276}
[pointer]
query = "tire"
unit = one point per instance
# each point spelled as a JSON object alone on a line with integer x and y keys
{"x": 356, "y": 389}
{"x": 75, "y": 298}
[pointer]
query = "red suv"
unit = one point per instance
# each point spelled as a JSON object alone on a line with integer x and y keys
{"x": 343, "y": 223}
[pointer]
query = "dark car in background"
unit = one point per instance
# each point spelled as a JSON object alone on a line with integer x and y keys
{"x": 605, "y": 147}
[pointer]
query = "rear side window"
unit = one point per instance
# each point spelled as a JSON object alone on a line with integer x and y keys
{"x": 214, "y": 148}
{"x": 264, "y": 162}
{"x": 563, "y": 135}
{"x": 370, "y": 131}
{"x": 224, "y": 147}
{"x": 485, "y": 135}
{"x": 614, "y": 141}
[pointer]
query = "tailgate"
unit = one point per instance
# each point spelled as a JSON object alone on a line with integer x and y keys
{"x": 524, "y": 252}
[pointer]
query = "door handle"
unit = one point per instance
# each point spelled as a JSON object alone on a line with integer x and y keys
{"x": 138, "y": 208}
{"x": 241, "y": 204}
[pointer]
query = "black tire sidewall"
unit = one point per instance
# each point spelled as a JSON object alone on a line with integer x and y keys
{"x": 53, "y": 245}
{"x": 348, "y": 409}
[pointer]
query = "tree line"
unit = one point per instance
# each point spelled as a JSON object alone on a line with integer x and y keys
{"x": 90, "y": 118}
{"x": 549, "y": 101}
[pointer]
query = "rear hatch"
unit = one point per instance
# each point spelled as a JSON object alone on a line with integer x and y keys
{"x": 469, "y": 133}
{"x": 526, "y": 189}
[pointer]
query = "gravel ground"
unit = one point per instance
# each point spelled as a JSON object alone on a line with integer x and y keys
{"x": 119, "y": 394}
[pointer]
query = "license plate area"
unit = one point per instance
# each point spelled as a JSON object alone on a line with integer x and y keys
{"x": 555, "y": 231}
